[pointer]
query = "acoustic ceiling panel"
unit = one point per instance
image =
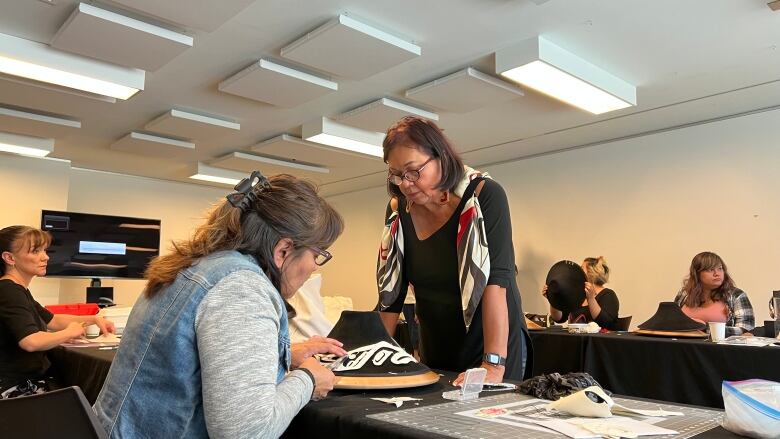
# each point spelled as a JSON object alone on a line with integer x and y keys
{"x": 380, "y": 115}
{"x": 241, "y": 161}
{"x": 151, "y": 145}
{"x": 205, "y": 15}
{"x": 340, "y": 162}
{"x": 347, "y": 47}
{"x": 33, "y": 123}
{"x": 190, "y": 125}
{"x": 464, "y": 91}
{"x": 273, "y": 83}
{"x": 118, "y": 39}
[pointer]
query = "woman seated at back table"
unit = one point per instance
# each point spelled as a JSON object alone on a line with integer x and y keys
{"x": 28, "y": 330}
{"x": 601, "y": 304}
{"x": 710, "y": 295}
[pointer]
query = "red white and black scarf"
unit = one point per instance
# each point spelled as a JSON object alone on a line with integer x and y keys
{"x": 473, "y": 256}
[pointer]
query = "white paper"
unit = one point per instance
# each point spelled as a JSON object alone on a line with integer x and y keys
{"x": 397, "y": 400}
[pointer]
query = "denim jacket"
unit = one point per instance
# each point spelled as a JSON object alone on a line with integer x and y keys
{"x": 157, "y": 366}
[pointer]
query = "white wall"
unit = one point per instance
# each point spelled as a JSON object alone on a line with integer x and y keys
{"x": 647, "y": 204}
{"x": 28, "y": 185}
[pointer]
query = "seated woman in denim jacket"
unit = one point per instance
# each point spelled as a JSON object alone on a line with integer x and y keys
{"x": 206, "y": 351}
{"x": 710, "y": 295}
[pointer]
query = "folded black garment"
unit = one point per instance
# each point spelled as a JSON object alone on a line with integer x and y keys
{"x": 553, "y": 386}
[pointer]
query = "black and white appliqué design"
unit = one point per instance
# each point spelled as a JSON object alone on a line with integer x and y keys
{"x": 377, "y": 356}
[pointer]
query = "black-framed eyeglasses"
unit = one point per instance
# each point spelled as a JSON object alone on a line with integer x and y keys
{"x": 411, "y": 175}
{"x": 323, "y": 256}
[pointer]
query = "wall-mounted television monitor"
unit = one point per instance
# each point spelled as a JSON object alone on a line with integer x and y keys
{"x": 99, "y": 246}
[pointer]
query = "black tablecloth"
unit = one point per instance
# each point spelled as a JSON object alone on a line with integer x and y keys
{"x": 678, "y": 370}
{"x": 341, "y": 414}
{"x": 83, "y": 367}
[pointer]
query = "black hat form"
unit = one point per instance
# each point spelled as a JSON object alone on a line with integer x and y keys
{"x": 377, "y": 368}
{"x": 670, "y": 317}
{"x": 566, "y": 286}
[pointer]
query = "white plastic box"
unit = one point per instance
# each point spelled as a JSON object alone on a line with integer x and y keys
{"x": 118, "y": 315}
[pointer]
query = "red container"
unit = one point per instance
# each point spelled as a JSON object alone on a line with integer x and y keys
{"x": 74, "y": 309}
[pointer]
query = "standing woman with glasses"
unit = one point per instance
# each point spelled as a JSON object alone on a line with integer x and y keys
{"x": 206, "y": 351}
{"x": 448, "y": 232}
{"x": 709, "y": 294}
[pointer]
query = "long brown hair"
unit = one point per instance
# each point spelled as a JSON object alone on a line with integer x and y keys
{"x": 426, "y": 136}
{"x": 692, "y": 285}
{"x": 17, "y": 238}
{"x": 290, "y": 209}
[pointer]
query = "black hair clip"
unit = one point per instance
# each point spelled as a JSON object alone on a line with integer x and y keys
{"x": 247, "y": 190}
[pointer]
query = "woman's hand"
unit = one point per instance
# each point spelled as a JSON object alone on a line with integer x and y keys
{"x": 315, "y": 345}
{"x": 106, "y": 326}
{"x": 324, "y": 380}
{"x": 495, "y": 374}
{"x": 590, "y": 291}
{"x": 74, "y": 330}
{"x": 544, "y": 291}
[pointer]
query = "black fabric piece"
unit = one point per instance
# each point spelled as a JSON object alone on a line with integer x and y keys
{"x": 609, "y": 303}
{"x": 670, "y": 317}
{"x": 362, "y": 328}
{"x": 83, "y": 367}
{"x": 20, "y": 316}
{"x": 565, "y": 286}
{"x": 431, "y": 265}
{"x": 555, "y": 386}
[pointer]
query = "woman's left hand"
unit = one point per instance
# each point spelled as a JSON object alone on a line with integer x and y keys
{"x": 590, "y": 290}
{"x": 495, "y": 374}
{"x": 315, "y": 345}
{"x": 106, "y": 326}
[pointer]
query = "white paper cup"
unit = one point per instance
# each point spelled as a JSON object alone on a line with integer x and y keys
{"x": 717, "y": 331}
{"x": 93, "y": 331}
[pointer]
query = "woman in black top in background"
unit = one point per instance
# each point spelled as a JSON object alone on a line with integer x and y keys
{"x": 601, "y": 304}
{"x": 435, "y": 227}
{"x": 24, "y": 323}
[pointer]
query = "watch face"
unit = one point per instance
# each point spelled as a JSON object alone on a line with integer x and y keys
{"x": 492, "y": 358}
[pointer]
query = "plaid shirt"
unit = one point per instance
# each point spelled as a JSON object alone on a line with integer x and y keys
{"x": 740, "y": 312}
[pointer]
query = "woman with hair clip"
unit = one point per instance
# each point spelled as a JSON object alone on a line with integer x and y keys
{"x": 448, "y": 232}
{"x": 709, "y": 294}
{"x": 24, "y": 323}
{"x": 206, "y": 351}
{"x": 601, "y": 304}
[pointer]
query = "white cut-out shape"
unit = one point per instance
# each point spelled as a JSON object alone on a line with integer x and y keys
{"x": 377, "y": 353}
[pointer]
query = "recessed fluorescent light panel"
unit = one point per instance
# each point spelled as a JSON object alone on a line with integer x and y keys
{"x": 32, "y": 60}
{"x": 351, "y": 48}
{"x": 25, "y": 145}
{"x": 327, "y": 132}
{"x": 242, "y": 161}
{"x": 545, "y": 67}
{"x": 380, "y": 115}
{"x": 216, "y": 175}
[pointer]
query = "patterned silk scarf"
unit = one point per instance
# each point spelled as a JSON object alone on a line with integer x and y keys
{"x": 473, "y": 256}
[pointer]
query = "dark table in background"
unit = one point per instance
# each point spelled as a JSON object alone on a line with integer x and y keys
{"x": 83, "y": 367}
{"x": 688, "y": 371}
{"x": 341, "y": 414}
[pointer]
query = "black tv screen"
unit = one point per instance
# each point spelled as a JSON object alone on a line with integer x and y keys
{"x": 99, "y": 246}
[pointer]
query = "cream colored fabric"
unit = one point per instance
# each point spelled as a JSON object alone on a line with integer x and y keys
{"x": 315, "y": 314}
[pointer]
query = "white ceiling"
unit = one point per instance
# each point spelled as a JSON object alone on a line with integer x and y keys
{"x": 691, "y": 61}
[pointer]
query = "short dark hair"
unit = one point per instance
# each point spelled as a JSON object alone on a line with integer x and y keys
{"x": 424, "y": 135}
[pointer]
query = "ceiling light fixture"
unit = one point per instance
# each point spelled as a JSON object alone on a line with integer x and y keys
{"x": 204, "y": 172}
{"x": 545, "y": 67}
{"x": 25, "y": 145}
{"x": 328, "y": 132}
{"x": 32, "y": 60}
